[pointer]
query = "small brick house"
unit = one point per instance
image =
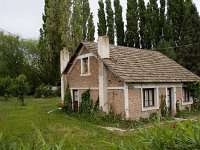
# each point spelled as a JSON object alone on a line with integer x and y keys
{"x": 128, "y": 81}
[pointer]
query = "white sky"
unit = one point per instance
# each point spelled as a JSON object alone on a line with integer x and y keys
{"x": 24, "y": 17}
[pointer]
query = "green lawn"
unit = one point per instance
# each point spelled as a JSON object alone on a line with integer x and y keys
{"x": 22, "y": 122}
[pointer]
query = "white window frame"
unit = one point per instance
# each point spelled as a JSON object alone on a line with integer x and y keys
{"x": 156, "y": 99}
{"x": 183, "y": 100}
{"x": 82, "y": 67}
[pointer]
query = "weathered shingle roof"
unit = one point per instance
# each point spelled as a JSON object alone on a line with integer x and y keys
{"x": 137, "y": 65}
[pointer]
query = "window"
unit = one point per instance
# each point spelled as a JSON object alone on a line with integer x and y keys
{"x": 148, "y": 97}
{"x": 75, "y": 95}
{"x": 186, "y": 95}
{"x": 85, "y": 66}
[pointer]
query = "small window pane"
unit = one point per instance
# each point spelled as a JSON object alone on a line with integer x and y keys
{"x": 85, "y": 65}
{"x": 148, "y": 97}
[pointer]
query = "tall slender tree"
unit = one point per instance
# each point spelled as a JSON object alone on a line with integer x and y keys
{"x": 119, "y": 24}
{"x": 189, "y": 56}
{"x": 142, "y": 22}
{"x": 77, "y": 22}
{"x": 86, "y": 14}
{"x": 162, "y": 19}
{"x": 102, "y": 27}
{"x": 91, "y": 29}
{"x": 110, "y": 21}
{"x": 132, "y": 36}
{"x": 152, "y": 23}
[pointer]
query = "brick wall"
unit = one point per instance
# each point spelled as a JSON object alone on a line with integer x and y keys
{"x": 135, "y": 103}
{"x": 115, "y": 97}
{"x": 116, "y": 101}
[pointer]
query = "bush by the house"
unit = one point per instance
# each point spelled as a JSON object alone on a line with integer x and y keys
{"x": 68, "y": 100}
{"x": 85, "y": 105}
{"x": 96, "y": 105}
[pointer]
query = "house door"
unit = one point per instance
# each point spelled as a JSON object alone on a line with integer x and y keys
{"x": 75, "y": 100}
{"x": 169, "y": 100}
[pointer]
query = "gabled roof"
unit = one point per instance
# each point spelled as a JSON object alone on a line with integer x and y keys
{"x": 142, "y": 66}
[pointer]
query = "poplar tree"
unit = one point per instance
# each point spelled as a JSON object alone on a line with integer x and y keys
{"x": 65, "y": 24}
{"x": 76, "y": 22}
{"x": 162, "y": 19}
{"x": 110, "y": 21}
{"x": 119, "y": 24}
{"x": 142, "y": 21}
{"x": 86, "y": 14}
{"x": 91, "y": 29}
{"x": 102, "y": 27}
{"x": 175, "y": 12}
{"x": 132, "y": 36}
{"x": 189, "y": 56}
{"x": 153, "y": 23}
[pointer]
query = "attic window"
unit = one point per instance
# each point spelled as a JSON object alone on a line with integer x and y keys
{"x": 85, "y": 66}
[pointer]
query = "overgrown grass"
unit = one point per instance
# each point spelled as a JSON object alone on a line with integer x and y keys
{"x": 32, "y": 127}
{"x": 21, "y": 122}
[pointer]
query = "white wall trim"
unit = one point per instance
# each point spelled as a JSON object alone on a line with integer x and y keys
{"x": 96, "y": 88}
{"x": 85, "y": 55}
{"x": 126, "y": 101}
{"x": 154, "y": 85}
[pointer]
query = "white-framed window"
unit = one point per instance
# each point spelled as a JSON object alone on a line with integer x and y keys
{"x": 85, "y": 70}
{"x": 186, "y": 95}
{"x": 148, "y": 97}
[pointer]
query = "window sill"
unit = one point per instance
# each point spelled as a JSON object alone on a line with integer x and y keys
{"x": 88, "y": 74}
{"x": 150, "y": 108}
{"x": 187, "y": 103}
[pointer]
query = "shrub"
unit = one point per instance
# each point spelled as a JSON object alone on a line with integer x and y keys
{"x": 85, "y": 105}
{"x": 182, "y": 135}
{"x": 68, "y": 100}
{"x": 21, "y": 88}
{"x": 163, "y": 107}
{"x": 44, "y": 91}
{"x": 6, "y": 87}
{"x": 96, "y": 105}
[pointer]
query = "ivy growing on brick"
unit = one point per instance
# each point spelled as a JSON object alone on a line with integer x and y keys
{"x": 68, "y": 100}
{"x": 85, "y": 105}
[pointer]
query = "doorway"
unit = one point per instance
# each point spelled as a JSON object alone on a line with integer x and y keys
{"x": 75, "y": 100}
{"x": 169, "y": 100}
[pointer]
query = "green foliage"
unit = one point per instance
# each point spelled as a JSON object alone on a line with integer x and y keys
{"x": 6, "y": 87}
{"x": 119, "y": 24}
{"x": 102, "y": 26}
{"x": 91, "y": 29}
{"x": 96, "y": 105}
{"x": 85, "y": 105}
{"x": 176, "y": 136}
{"x": 163, "y": 107}
{"x": 132, "y": 35}
{"x": 110, "y": 21}
{"x": 164, "y": 47}
{"x": 44, "y": 91}
{"x": 37, "y": 144}
{"x": 21, "y": 88}
{"x": 68, "y": 101}
{"x": 194, "y": 89}
{"x": 142, "y": 21}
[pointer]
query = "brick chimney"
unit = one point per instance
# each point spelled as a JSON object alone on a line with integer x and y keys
{"x": 64, "y": 59}
{"x": 103, "y": 51}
